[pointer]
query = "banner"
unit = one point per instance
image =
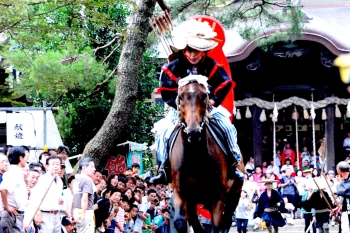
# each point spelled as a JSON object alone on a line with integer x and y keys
{"x": 20, "y": 129}
{"x": 135, "y": 157}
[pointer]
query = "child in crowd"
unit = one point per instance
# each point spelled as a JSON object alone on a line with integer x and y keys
{"x": 305, "y": 155}
{"x": 289, "y": 215}
{"x": 130, "y": 221}
{"x": 160, "y": 220}
{"x": 119, "y": 219}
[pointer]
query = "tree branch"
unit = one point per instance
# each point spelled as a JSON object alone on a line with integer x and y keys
{"x": 116, "y": 47}
{"x": 117, "y": 36}
{"x": 98, "y": 86}
{"x": 185, "y": 6}
{"x": 36, "y": 15}
{"x": 163, "y": 5}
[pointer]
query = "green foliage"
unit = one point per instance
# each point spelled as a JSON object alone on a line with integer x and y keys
{"x": 53, "y": 43}
{"x": 54, "y": 73}
{"x": 78, "y": 121}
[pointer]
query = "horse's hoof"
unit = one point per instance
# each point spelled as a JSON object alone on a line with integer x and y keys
{"x": 181, "y": 225}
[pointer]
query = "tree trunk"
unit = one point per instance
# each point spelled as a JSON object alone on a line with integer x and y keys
{"x": 103, "y": 144}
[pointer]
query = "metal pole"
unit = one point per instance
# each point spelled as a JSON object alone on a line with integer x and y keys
{"x": 44, "y": 110}
{"x": 274, "y": 135}
{"x": 296, "y": 135}
{"x": 29, "y": 109}
{"x": 313, "y": 130}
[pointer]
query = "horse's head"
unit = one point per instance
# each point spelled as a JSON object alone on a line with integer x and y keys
{"x": 192, "y": 105}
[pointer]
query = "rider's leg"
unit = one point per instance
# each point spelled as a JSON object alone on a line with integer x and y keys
{"x": 231, "y": 135}
{"x": 164, "y": 172}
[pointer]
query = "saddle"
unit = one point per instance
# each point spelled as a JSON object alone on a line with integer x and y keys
{"x": 214, "y": 130}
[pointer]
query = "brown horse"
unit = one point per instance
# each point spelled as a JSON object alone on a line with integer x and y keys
{"x": 199, "y": 166}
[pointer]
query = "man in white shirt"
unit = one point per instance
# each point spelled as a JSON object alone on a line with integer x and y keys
{"x": 274, "y": 169}
{"x": 51, "y": 222}
{"x": 14, "y": 192}
{"x": 143, "y": 207}
{"x": 249, "y": 167}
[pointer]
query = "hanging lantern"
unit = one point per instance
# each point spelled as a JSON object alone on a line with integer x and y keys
{"x": 324, "y": 115}
{"x": 275, "y": 113}
{"x": 306, "y": 114}
{"x": 262, "y": 116}
{"x": 238, "y": 114}
{"x": 337, "y": 111}
{"x": 248, "y": 114}
{"x": 348, "y": 110}
{"x": 295, "y": 116}
{"x": 312, "y": 112}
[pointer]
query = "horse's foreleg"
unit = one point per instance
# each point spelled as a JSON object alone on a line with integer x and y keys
{"x": 232, "y": 199}
{"x": 180, "y": 221}
{"x": 218, "y": 210}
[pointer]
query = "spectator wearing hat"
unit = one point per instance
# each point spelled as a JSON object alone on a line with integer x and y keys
{"x": 14, "y": 192}
{"x": 267, "y": 209}
{"x": 268, "y": 175}
{"x": 67, "y": 225}
{"x": 83, "y": 196}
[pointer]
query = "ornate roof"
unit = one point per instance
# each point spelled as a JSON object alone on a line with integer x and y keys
{"x": 330, "y": 26}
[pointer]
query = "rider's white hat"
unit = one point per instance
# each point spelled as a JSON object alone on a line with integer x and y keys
{"x": 195, "y": 34}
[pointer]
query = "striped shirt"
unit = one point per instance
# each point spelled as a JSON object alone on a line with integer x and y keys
{"x": 119, "y": 219}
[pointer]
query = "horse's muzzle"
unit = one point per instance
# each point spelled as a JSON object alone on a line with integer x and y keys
{"x": 194, "y": 135}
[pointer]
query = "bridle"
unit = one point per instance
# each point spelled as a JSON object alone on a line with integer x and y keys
{"x": 205, "y": 118}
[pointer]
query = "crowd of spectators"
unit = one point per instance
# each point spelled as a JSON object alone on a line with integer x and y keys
{"x": 42, "y": 197}
{"x": 291, "y": 179}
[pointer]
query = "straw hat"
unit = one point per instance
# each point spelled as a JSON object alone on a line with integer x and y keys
{"x": 267, "y": 181}
{"x": 195, "y": 34}
{"x": 321, "y": 182}
{"x": 306, "y": 171}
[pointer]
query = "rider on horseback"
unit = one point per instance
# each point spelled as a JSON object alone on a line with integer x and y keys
{"x": 192, "y": 42}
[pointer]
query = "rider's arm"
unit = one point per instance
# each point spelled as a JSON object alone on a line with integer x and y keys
{"x": 220, "y": 83}
{"x": 168, "y": 85}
